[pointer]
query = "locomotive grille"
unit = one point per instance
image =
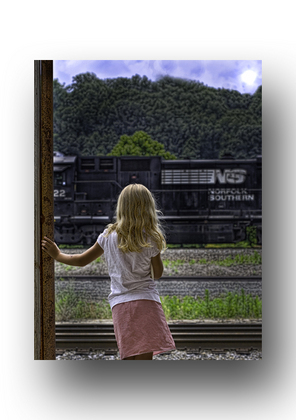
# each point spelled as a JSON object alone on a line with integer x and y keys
{"x": 106, "y": 163}
{"x": 87, "y": 163}
{"x": 187, "y": 176}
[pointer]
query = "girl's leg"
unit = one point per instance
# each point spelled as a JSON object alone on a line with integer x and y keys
{"x": 144, "y": 356}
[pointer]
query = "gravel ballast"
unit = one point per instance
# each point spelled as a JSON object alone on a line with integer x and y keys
{"x": 178, "y": 262}
{"x": 174, "y": 355}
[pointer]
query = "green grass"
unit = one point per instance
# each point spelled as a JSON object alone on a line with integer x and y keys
{"x": 240, "y": 245}
{"x": 65, "y": 246}
{"x": 173, "y": 264}
{"x": 69, "y": 267}
{"x": 239, "y": 259}
{"x": 228, "y": 306}
{"x": 243, "y": 244}
{"x": 69, "y": 306}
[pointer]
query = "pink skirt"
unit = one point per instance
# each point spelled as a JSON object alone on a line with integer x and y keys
{"x": 140, "y": 327}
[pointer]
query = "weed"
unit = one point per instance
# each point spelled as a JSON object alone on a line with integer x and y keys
{"x": 64, "y": 246}
{"x": 70, "y": 267}
{"x": 251, "y": 242}
{"x": 68, "y": 305}
{"x": 173, "y": 264}
{"x": 252, "y": 235}
{"x": 239, "y": 259}
{"x": 166, "y": 263}
{"x": 231, "y": 305}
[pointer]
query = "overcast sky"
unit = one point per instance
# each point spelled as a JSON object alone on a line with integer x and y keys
{"x": 242, "y": 75}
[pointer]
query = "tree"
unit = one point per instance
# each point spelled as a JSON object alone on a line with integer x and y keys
{"x": 139, "y": 144}
{"x": 186, "y": 117}
{"x": 191, "y": 149}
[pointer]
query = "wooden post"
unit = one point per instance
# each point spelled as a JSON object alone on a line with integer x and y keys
{"x": 44, "y": 304}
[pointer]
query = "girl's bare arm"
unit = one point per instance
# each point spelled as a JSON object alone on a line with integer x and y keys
{"x": 79, "y": 260}
{"x": 157, "y": 266}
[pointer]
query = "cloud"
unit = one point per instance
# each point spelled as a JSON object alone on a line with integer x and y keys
{"x": 214, "y": 73}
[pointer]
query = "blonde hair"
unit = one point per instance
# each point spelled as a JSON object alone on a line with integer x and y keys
{"x": 136, "y": 220}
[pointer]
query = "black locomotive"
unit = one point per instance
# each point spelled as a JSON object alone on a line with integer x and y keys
{"x": 202, "y": 201}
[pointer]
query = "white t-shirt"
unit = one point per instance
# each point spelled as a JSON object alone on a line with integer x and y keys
{"x": 130, "y": 272}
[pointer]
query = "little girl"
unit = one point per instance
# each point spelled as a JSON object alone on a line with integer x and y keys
{"x": 132, "y": 248}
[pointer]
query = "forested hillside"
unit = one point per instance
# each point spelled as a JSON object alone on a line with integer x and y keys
{"x": 190, "y": 119}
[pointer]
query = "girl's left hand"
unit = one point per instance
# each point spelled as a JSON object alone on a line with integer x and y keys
{"x": 50, "y": 247}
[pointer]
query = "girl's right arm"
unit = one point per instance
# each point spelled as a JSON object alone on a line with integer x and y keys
{"x": 79, "y": 260}
{"x": 157, "y": 266}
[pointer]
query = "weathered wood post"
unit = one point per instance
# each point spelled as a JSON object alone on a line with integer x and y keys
{"x": 44, "y": 297}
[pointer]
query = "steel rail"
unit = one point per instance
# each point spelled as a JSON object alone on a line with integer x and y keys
{"x": 198, "y": 336}
{"x": 77, "y": 277}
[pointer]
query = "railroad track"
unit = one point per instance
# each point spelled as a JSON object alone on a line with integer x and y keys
{"x": 242, "y": 337}
{"x": 168, "y": 278}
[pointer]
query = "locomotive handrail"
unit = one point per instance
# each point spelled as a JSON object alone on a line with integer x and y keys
{"x": 202, "y": 190}
{"x": 160, "y": 191}
{"x": 210, "y": 217}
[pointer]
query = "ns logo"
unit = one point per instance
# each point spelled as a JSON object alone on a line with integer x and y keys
{"x": 230, "y": 176}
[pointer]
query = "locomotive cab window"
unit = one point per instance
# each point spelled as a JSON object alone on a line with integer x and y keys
{"x": 59, "y": 178}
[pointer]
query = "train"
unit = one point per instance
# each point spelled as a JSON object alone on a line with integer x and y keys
{"x": 202, "y": 201}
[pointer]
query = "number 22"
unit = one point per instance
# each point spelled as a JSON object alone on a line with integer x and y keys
{"x": 59, "y": 193}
